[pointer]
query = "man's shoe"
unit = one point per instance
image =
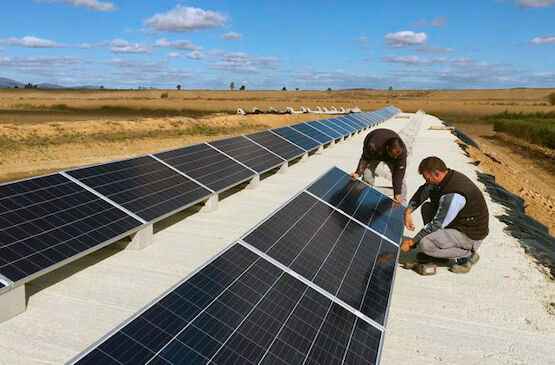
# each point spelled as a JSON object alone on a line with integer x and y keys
{"x": 475, "y": 257}
{"x": 463, "y": 265}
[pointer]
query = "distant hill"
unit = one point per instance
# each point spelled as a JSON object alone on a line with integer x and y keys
{"x": 46, "y": 85}
{"x": 4, "y": 83}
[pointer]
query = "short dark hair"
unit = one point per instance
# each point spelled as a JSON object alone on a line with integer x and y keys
{"x": 394, "y": 143}
{"x": 430, "y": 164}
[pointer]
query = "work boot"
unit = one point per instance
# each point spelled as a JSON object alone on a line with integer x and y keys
{"x": 463, "y": 265}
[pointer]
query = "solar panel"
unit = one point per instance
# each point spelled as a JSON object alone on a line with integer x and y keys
{"x": 142, "y": 185}
{"x": 312, "y": 133}
{"x": 331, "y": 250}
{"x": 47, "y": 220}
{"x": 277, "y": 145}
{"x": 240, "y": 309}
{"x": 248, "y": 153}
{"x": 297, "y": 138}
{"x": 360, "y": 201}
{"x": 325, "y": 129}
{"x": 353, "y": 122}
{"x": 208, "y": 166}
{"x": 340, "y": 123}
{"x": 329, "y": 123}
{"x": 309, "y": 285}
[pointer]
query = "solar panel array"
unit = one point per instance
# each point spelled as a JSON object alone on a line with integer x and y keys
{"x": 309, "y": 285}
{"x": 50, "y": 220}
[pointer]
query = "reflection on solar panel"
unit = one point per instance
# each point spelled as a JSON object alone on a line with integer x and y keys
{"x": 329, "y": 123}
{"x": 248, "y": 153}
{"x": 47, "y": 220}
{"x": 297, "y": 138}
{"x": 365, "y": 204}
{"x": 277, "y": 145}
{"x": 309, "y": 285}
{"x": 312, "y": 133}
{"x": 325, "y": 129}
{"x": 143, "y": 185}
{"x": 343, "y": 125}
{"x": 208, "y": 166}
{"x": 351, "y": 121}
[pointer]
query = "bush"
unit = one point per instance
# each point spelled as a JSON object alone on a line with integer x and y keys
{"x": 538, "y": 128}
{"x": 551, "y": 98}
{"x": 164, "y": 96}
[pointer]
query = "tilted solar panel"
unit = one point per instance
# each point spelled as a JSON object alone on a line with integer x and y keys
{"x": 352, "y": 122}
{"x": 340, "y": 123}
{"x": 325, "y": 129}
{"x": 277, "y": 145}
{"x": 240, "y": 309}
{"x": 360, "y": 201}
{"x": 142, "y": 185}
{"x": 297, "y": 138}
{"x": 248, "y": 153}
{"x": 313, "y": 133}
{"x": 309, "y": 285}
{"x": 341, "y": 130}
{"x": 208, "y": 166}
{"x": 47, "y": 220}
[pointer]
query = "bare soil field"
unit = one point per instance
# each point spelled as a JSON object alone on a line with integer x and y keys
{"x": 48, "y": 130}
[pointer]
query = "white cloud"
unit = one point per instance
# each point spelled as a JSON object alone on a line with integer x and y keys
{"x": 178, "y": 44}
{"x": 405, "y": 38}
{"x": 173, "y": 54}
{"x": 544, "y": 40}
{"x": 439, "y": 22}
{"x": 88, "y": 4}
{"x": 134, "y": 73}
{"x": 361, "y": 39}
{"x": 242, "y": 63}
{"x": 31, "y": 42}
{"x": 432, "y": 49}
{"x": 414, "y": 60}
{"x": 420, "y": 24}
{"x": 185, "y": 19}
{"x": 52, "y": 69}
{"x": 232, "y": 36}
{"x": 196, "y": 55}
{"x": 530, "y": 4}
{"x": 124, "y": 46}
{"x": 84, "y": 46}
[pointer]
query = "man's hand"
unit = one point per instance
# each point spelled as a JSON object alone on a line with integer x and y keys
{"x": 399, "y": 199}
{"x": 409, "y": 223}
{"x": 354, "y": 175}
{"x": 406, "y": 245}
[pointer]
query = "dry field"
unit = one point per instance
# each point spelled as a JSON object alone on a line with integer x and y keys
{"x": 49, "y": 130}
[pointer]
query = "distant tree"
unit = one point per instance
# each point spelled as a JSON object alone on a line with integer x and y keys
{"x": 102, "y": 86}
{"x": 242, "y": 87}
{"x": 232, "y": 86}
{"x": 551, "y": 98}
{"x": 178, "y": 87}
{"x": 329, "y": 88}
{"x": 29, "y": 86}
{"x": 16, "y": 87}
{"x": 164, "y": 95}
{"x": 284, "y": 89}
{"x": 390, "y": 88}
{"x": 297, "y": 89}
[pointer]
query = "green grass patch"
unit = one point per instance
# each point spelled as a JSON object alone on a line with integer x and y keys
{"x": 537, "y": 128}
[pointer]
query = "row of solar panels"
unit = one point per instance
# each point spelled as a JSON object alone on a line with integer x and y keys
{"x": 311, "y": 284}
{"x": 48, "y": 221}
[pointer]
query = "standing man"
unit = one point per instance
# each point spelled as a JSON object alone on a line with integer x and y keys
{"x": 456, "y": 218}
{"x": 384, "y": 145}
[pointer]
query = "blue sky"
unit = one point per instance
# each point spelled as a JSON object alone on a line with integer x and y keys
{"x": 266, "y": 45}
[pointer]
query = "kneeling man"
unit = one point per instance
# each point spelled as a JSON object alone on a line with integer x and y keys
{"x": 455, "y": 220}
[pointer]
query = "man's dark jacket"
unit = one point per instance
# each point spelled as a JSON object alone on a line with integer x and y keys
{"x": 374, "y": 149}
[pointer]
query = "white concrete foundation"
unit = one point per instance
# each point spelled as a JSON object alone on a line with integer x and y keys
{"x": 253, "y": 184}
{"x": 304, "y": 158}
{"x": 283, "y": 168}
{"x": 141, "y": 239}
{"x": 320, "y": 150}
{"x": 211, "y": 204}
{"x": 12, "y": 303}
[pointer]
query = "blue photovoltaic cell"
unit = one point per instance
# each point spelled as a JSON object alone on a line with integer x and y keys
{"x": 297, "y": 138}
{"x": 331, "y": 250}
{"x": 351, "y": 121}
{"x": 357, "y": 199}
{"x": 336, "y": 127}
{"x": 240, "y": 309}
{"x": 208, "y": 166}
{"x": 343, "y": 125}
{"x": 277, "y": 145}
{"x": 325, "y": 129}
{"x": 248, "y": 153}
{"x": 47, "y": 220}
{"x": 312, "y": 133}
{"x": 142, "y": 185}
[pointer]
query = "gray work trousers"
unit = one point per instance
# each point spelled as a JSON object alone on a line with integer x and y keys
{"x": 445, "y": 243}
{"x": 370, "y": 172}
